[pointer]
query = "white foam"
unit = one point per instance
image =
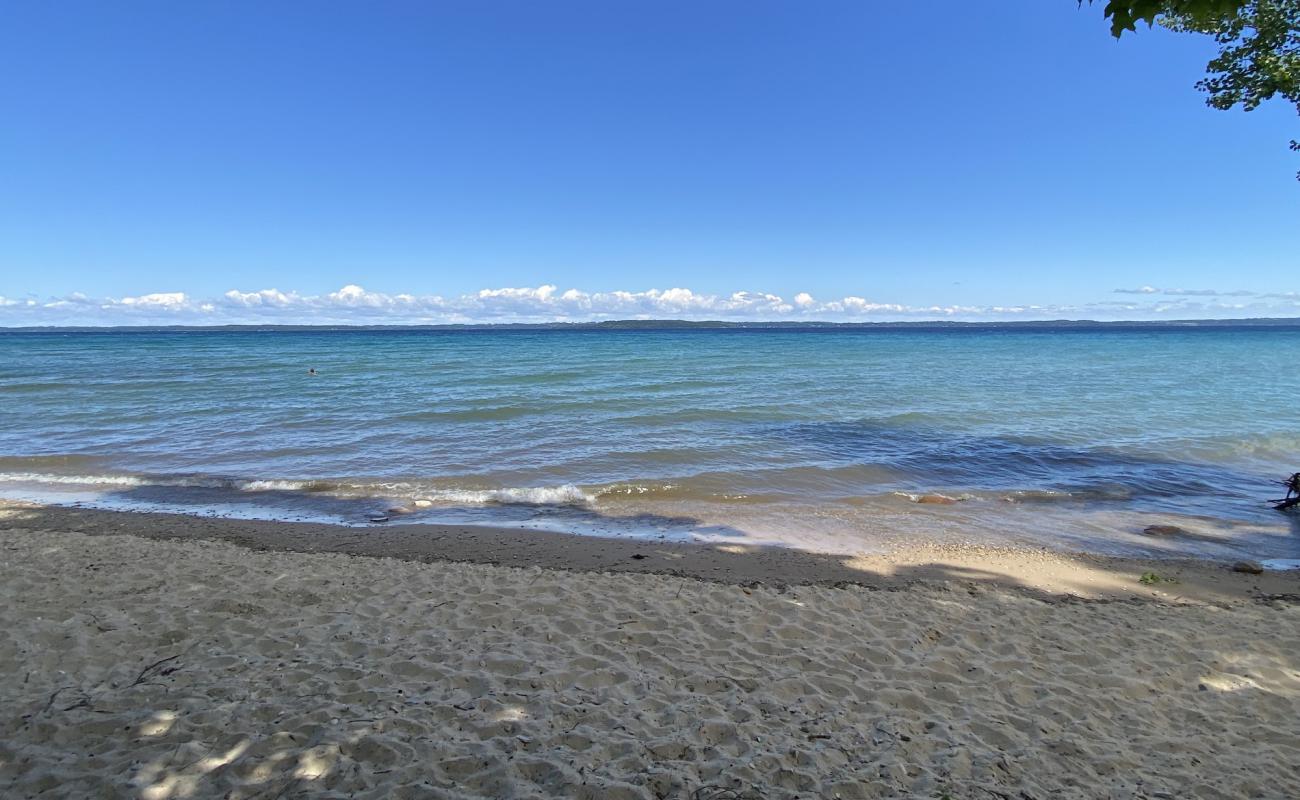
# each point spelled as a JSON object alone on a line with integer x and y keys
{"x": 75, "y": 480}
{"x": 54, "y": 479}
{"x": 271, "y": 486}
{"x": 636, "y": 489}
{"x": 566, "y": 495}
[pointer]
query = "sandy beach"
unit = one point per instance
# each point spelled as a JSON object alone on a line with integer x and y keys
{"x": 158, "y": 657}
{"x": 649, "y": 401}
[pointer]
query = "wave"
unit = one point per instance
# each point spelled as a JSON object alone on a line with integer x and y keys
{"x": 850, "y": 466}
{"x": 565, "y": 494}
{"x": 682, "y": 491}
{"x": 283, "y": 485}
{"x": 854, "y": 485}
{"x": 416, "y": 494}
{"x": 108, "y": 480}
{"x": 1275, "y": 447}
{"x": 125, "y": 481}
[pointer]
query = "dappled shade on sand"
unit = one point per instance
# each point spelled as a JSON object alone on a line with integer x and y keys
{"x": 168, "y": 669}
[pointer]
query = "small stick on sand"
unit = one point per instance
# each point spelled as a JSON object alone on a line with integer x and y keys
{"x": 50, "y": 702}
{"x": 144, "y": 673}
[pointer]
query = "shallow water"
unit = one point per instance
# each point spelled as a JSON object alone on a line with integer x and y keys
{"x": 819, "y": 439}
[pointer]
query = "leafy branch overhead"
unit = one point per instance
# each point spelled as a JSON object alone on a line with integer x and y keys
{"x": 1124, "y": 16}
{"x": 1259, "y": 44}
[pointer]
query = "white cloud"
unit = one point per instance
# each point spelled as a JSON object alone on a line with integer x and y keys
{"x": 353, "y": 296}
{"x": 353, "y": 304}
{"x": 169, "y": 300}
{"x": 265, "y": 297}
{"x": 541, "y": 294}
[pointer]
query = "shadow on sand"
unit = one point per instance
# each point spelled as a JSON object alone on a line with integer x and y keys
{"x": 731, "y": 556}
{"x": 347, "y": 735}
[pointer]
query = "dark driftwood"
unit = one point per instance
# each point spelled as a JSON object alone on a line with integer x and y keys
{"x": 1292, "y": 498}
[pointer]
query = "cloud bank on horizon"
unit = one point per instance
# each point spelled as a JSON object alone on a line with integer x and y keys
{"x": 354, "y": 305}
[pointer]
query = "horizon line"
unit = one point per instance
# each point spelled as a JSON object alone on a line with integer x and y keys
{"x": 678, "y": 323}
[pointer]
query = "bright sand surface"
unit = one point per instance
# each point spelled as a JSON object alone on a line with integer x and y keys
{"x": 138, "y": 665}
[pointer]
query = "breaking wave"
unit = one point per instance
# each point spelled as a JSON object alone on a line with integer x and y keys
{"x": 566, "y": 494}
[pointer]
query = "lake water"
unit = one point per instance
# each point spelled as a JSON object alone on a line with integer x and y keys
{"x": 811, "y": 438}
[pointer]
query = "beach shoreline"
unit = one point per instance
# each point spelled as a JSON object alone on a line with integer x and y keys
{"x": 1042, "y": 572}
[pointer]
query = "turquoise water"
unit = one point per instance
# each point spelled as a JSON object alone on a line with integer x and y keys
{"x": 819, "y": 439}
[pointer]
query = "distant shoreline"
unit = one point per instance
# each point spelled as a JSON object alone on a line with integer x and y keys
{"x": 1258, "y": 323}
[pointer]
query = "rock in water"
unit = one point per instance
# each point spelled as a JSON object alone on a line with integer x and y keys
{"x": 1163, "y": 530}
{"x": 1249, "y": 567}
{"x": 936, "y": 500}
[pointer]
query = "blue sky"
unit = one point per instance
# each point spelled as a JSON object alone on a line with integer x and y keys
{"x": 842, "y": 159}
